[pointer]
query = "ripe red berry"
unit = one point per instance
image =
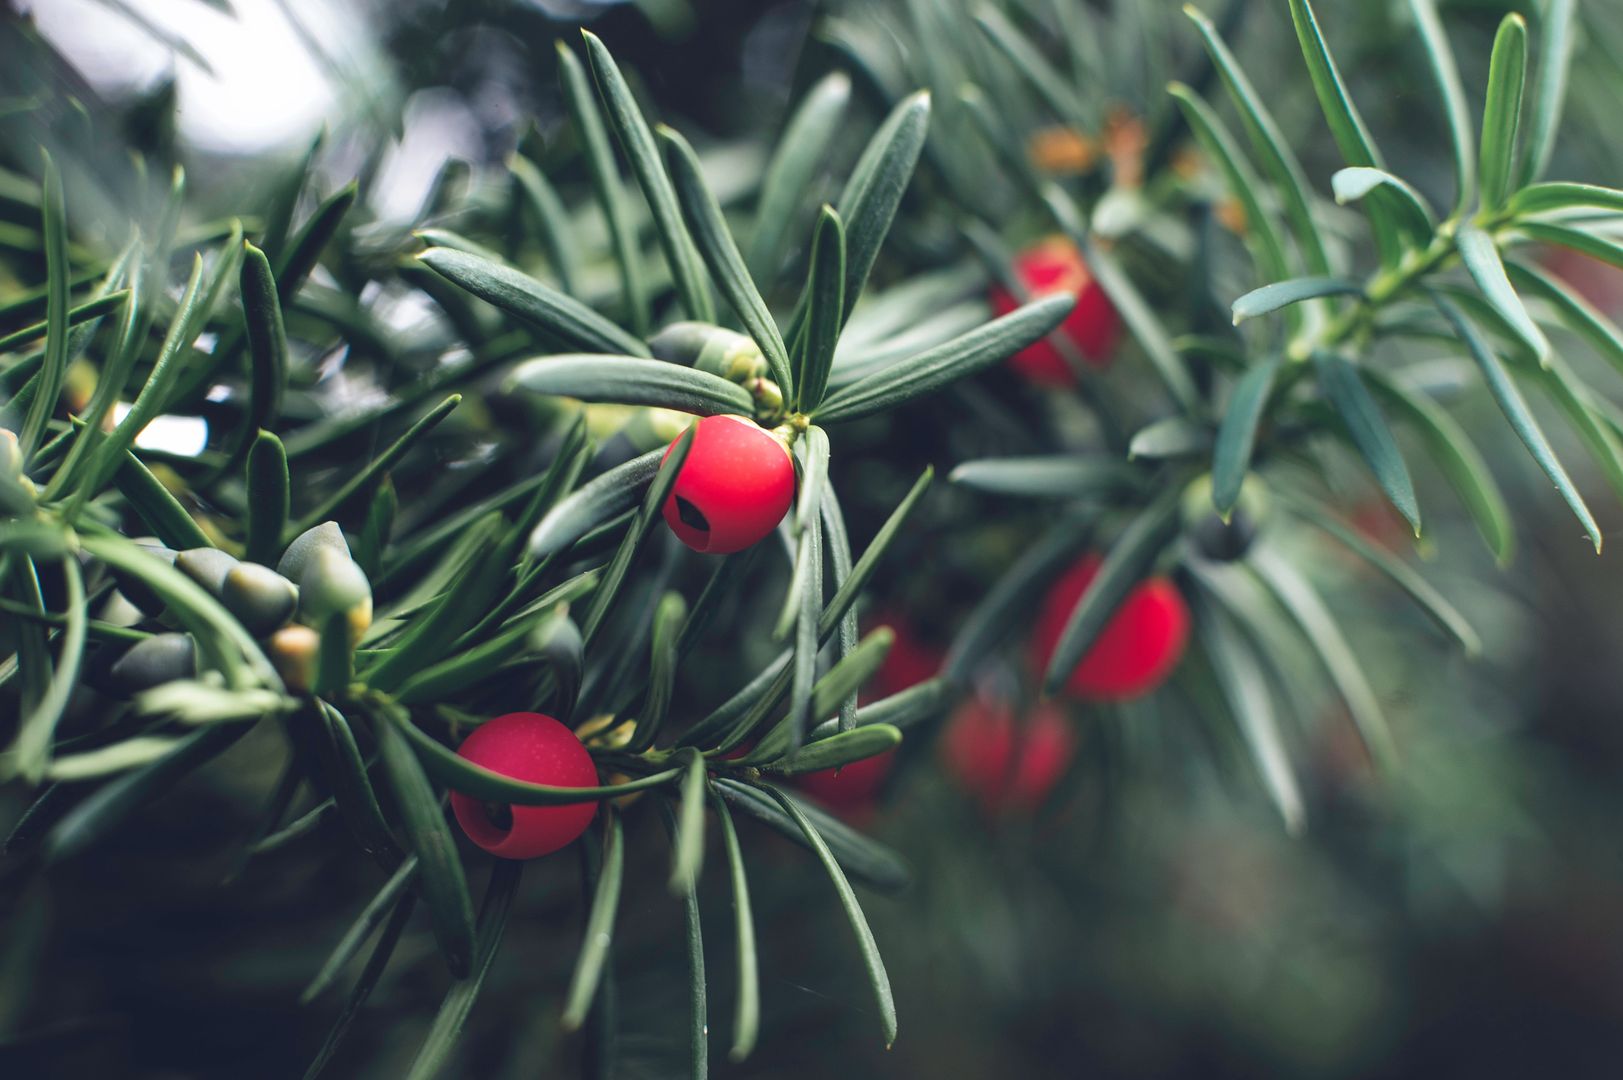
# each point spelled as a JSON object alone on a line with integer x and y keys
{"x": 537, "y": 749}
{"x": 1139, "y": 647}
{"x": 1005, "y": 764}
{"x": 735, "y": 486}
{"x": 1055, "y": 266}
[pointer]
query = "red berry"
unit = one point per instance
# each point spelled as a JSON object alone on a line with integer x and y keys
{"x": 1138, "y": 648}
{"x": 1055, "y": 266}
{"x": 537, "y": 749}
{"x": 735, "y": 486}
{"x": 1004, "y": 764}
{"x": 1375, "y": 520}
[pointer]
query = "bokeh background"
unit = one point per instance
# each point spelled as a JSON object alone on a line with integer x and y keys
{"x": 1463, "y": 916}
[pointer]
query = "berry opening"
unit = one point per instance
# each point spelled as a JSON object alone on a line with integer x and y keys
{"x": 499, "y": 815}
{"x": 691, "y": 515}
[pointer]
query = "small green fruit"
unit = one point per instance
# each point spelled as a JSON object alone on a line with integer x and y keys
{"x": 206, "y": 566}
{"x": 1225, "y": 543}
{"x": 261, "y": 599}
{"x": 1211, "y": 536}
{"x": 160, "y": 659}
{"x": 649, "y": 429}
{"x": 297, "y": 556}
{"x": 726, "y": 353}
{"x": 333, "y": 583}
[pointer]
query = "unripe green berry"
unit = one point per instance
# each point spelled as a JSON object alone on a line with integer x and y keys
{"x": 206, "y": 566}
{"x": 651, "y": 428}
{"x": 333, "y": 583}
{"x": 297, "y": 556}
{"x": 1211, "y": 536}
{"x": 261, "y": 599}
{"x": 159, "y": 659}
{"x": 1224, "y": 543}
{"x": 727, "y": 353}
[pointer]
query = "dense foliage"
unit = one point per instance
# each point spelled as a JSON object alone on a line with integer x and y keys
{"x": 639, "y": 433}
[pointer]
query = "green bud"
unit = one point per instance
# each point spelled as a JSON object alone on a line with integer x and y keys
{"x": 159, "y": 659}
{"x": 297, "y": 556}
{"x": 16, "y": 490}
{"x": 333, "y": 584}
{"x": 650, "y": 429}
{"x": 681, "y": 342}
{"x": 261, "y": 599}
{"x": 206, "y": 566}
{"x": 726, "y": 353}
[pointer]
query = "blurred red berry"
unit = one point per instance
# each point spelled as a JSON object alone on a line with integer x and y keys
{"x": 1139, "y": 647}
{"x": 537, "y": 749}
{"x": 1005, "y": 764}
{"x": 735, "y": 486}
{"x": 1375, "y": 520}
{"x": 1599, "y": 282}
{"x": 910, "y": 661}
{"x": 851, "y": 787}
{"x": 1055, "y": 266}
